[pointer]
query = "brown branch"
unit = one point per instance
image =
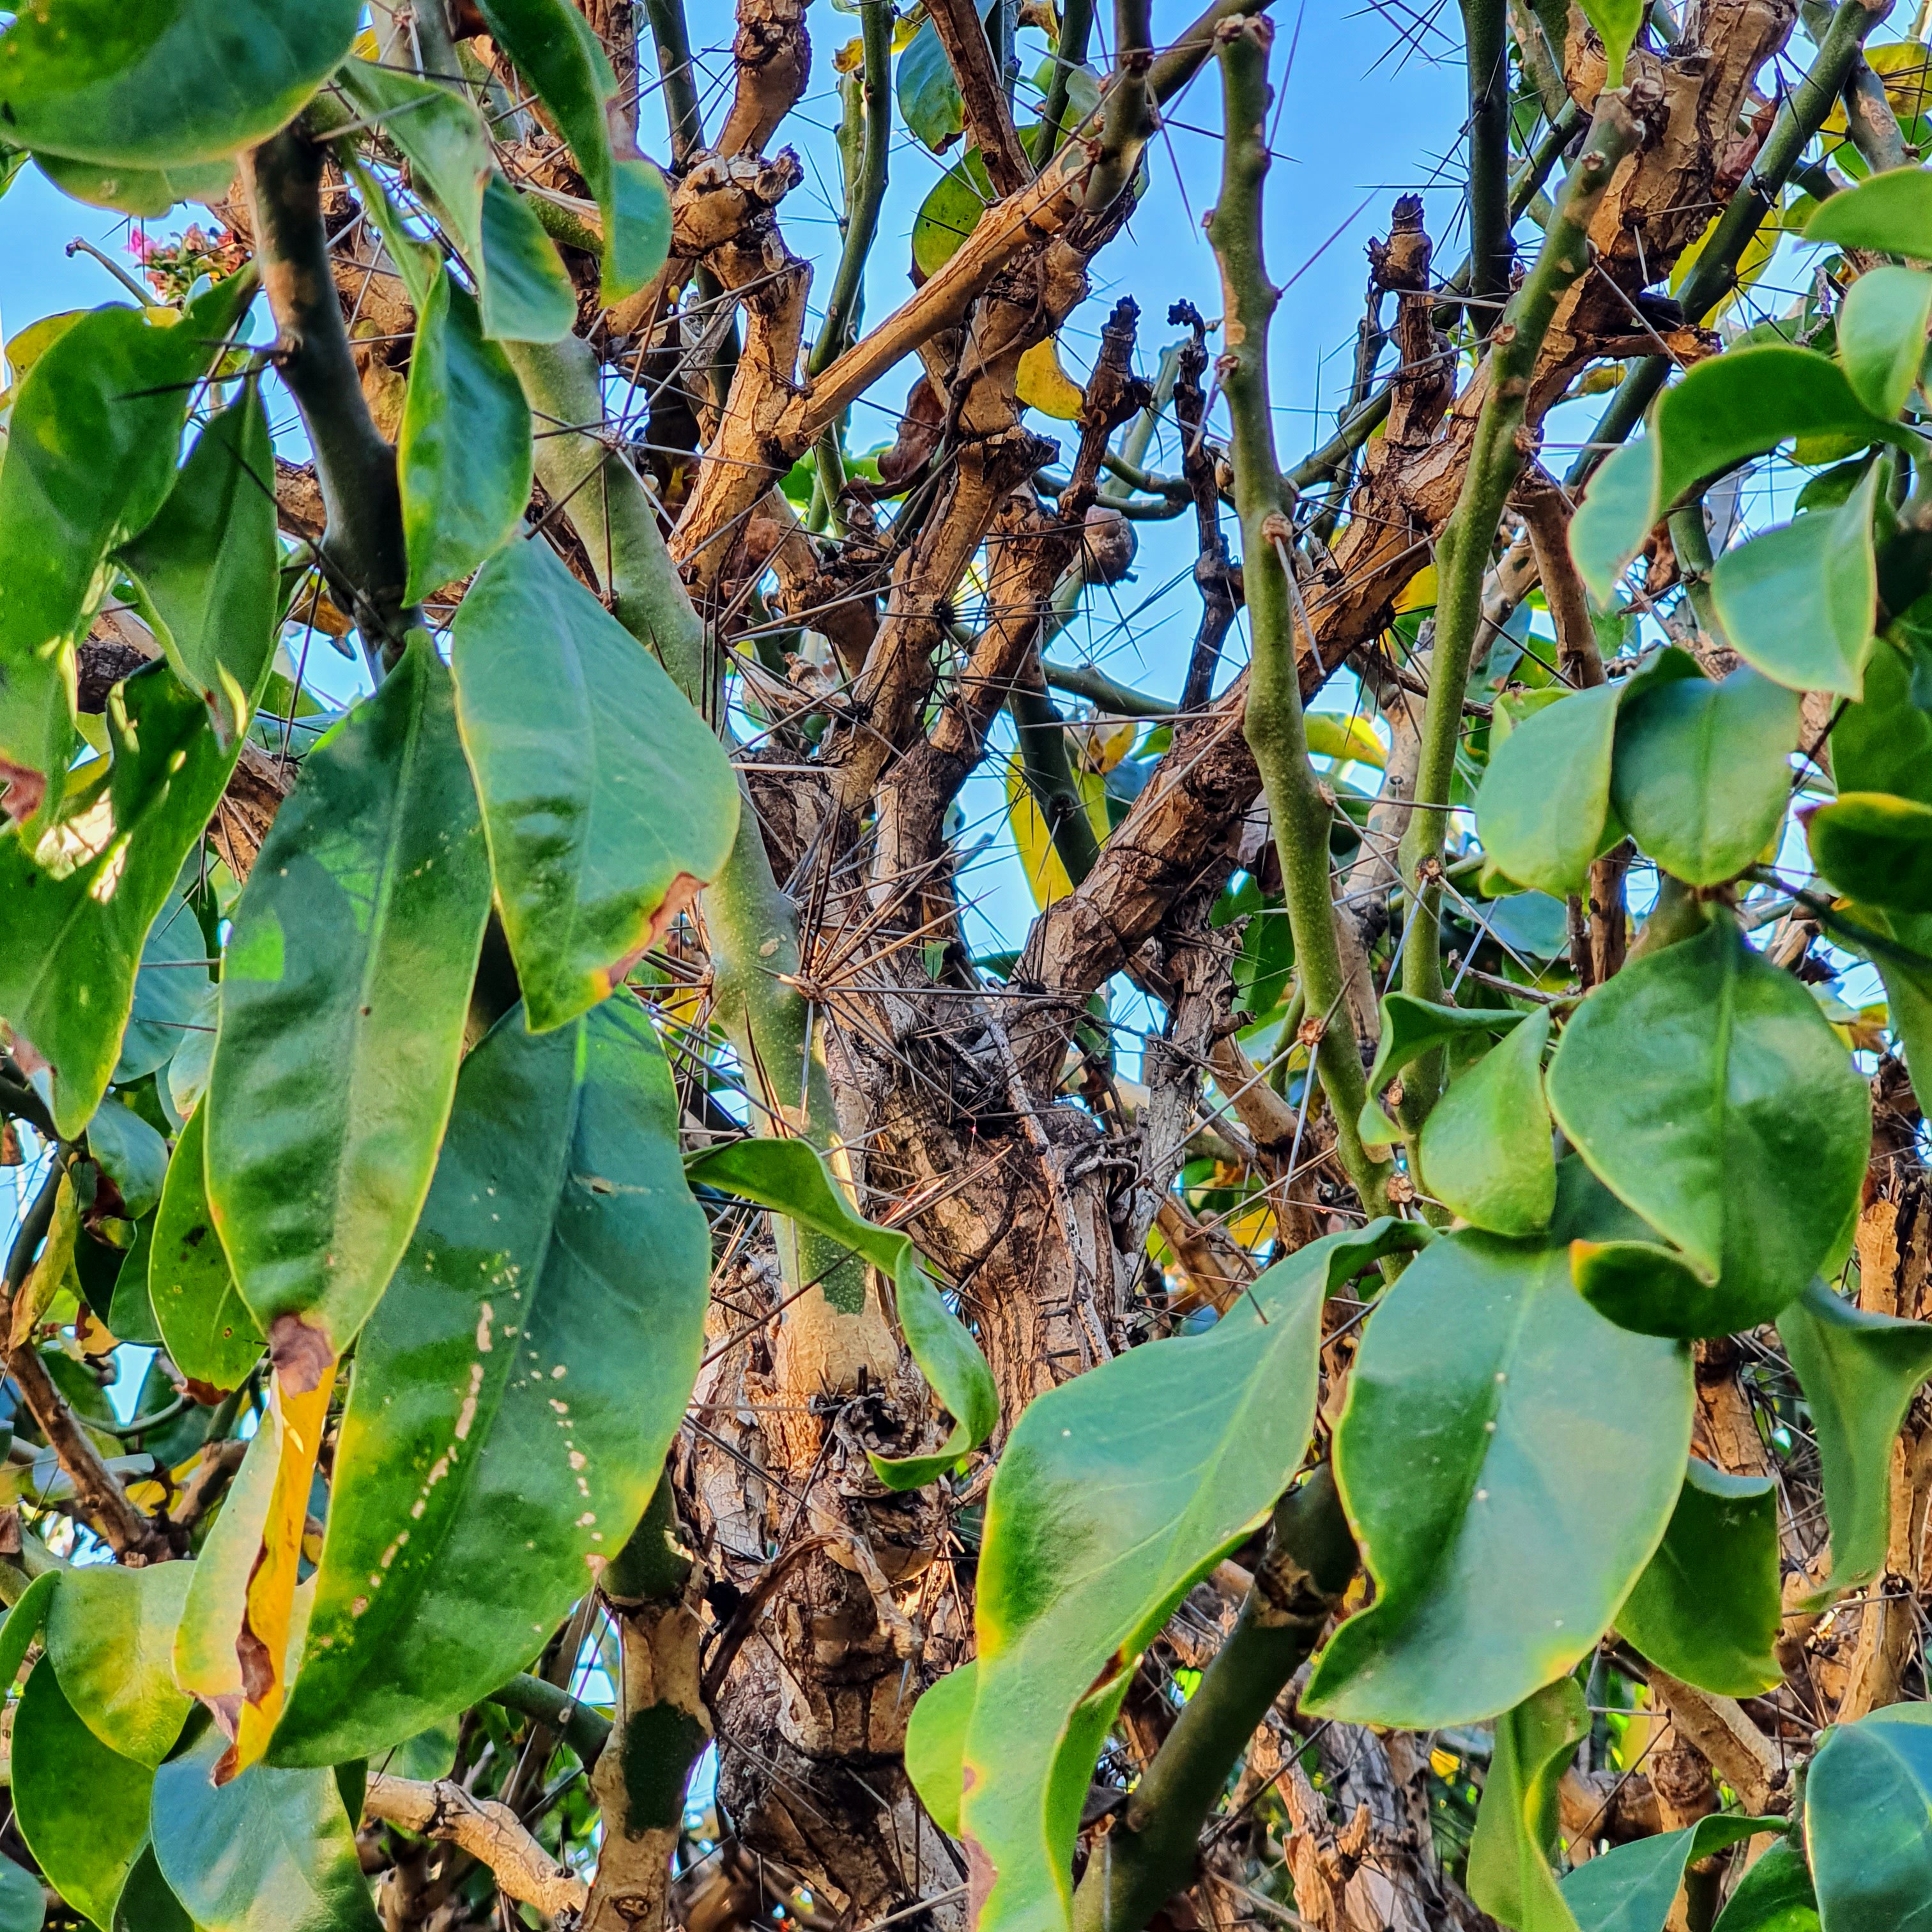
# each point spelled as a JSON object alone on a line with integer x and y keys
{"x": 487, "y": 1831}
{"x": 989, "y": 119}
{"x": 772, "y": 54}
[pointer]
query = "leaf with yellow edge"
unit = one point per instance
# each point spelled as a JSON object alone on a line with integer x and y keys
{"x": 1045, "y": 876}
{"x": 1352, "y": 738}
{"x": 1046, "y": 386}
{"x": 1419, "y": 593}
{"x": 52, "y": 1271}
{"x": 1906, "y": 68}
{"x": 262, "y": 1643}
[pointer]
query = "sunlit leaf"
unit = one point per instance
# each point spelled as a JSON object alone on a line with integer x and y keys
{"x": 935, "y": 1744}
{"x": 209, "y": 1330}
{"x": 1875, "y": 847}
{"x": 344, "y": 993}
{"x": 1882, "y": 324}
{"x": 1485, "y": 1145}
{"x": 1411, "y": 1028}
{"x": 950, "y": 211}
{"x": 1889, "y": 214}
{"x": 110, "y": 1633}
{"x": 1774, "y": 1895}
{"x": 149, "y": 193}
{"x": 1046, "y": 874}
{"x": 1515, "y": 1836}
{"x": 1044, "y": 386}
{"x": 607, "y": 800}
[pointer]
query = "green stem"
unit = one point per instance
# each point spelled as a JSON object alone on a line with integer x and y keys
{"x": 1302, "y": 811}
{"x": 585, "y": 1730}
{"x": 672, "y": 41}
{"x": 868, "y": 190}
{"x": 1484, "y": 39}
{"x": 1097, "y": 688}
{"x": 1152, "y": 1852}
{"x": 1714, "y": 273}
{"x": 1076, "y": 24}
{"x": 1049, "y": 776}
{"x": 1462, "y": 551}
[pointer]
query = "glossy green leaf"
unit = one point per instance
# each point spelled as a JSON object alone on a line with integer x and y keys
{"x": 1890, "y": 214}
{"x": 1631, "y": 1888}
{"x": 1617, "y": 23}
{"x": 1708, "y": 1608}
{"x": 1875, "y": 847}
{"x": 77, "y": 920}
{"x": 1619, "y": 509}
{"x": 1485, "y": 1146}
{"x": 1410, "y": 1028}
{"x": 131, "y": 1153}
{"x": 1868, "y": 1822}
{"x": 528, "y": 295}
{"x": 23, "y": 1904}
{"x": 1859, "y": 1372}
{"x": 950, "y": 212}
{"x": 158, "y": 83}
{"x": 1545, "y": 799}
{"x": 209, "y": 1333}
{"x": 1884, "y": 743}
{"x": 464, "y": 456}
{"x": 146, "y": 1904}
{"x": 209, "y": 562}
{"x": 1509, "y": 1460}
{"x": 1116, "y": 1492}
{"x": 1774, "y": 1895}
{"x": 1702, "y": 771}
{"x": 149, "y": 193}
{"x": 111, "y": 1633}
{"x": 92, "y": 445}
{"x": 607, "y": 799}
{"x": 1515, "y": 1837}
{"x": 1881, "y": 334}
{"x": 22, "y": 1623}
{"x": 790, "y": 1177}
{"x": 344, "y": 993}
{"x": 130, "y": 1315}
{"x": 82, "y": 1808}
{"x": 1705, "y": 1088}
{"x": 1798, "y": 600}
{"x": 184, "y": 1079}
{"x": 169, "y": 986}
{"x": 930, "y": 103}
{"x": 559, "y": 53}
{"x": 935, "y": 1744}
{"x": 515, "y": 1394}
{"x": 271, "y": 1851}
{"x": 525, "y": 293}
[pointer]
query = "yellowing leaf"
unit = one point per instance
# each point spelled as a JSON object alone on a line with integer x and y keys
{"x": 50, "y": 1273}
{"x": 1046, "y": 876}
{"x": 1905, "y": 67}
{"x": 1046, "y": 386}
{"x": 1419, "y": 592}
{"x": 1102, "y": 742}
{"x": 1329, "y": 737}
{"x": 1751, "y": 264}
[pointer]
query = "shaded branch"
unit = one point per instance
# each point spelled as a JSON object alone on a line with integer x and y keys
{"x": 1486, "y": 60}
{"x": 868, "y": 190}
{"x": 672, "y": 41}
{"x": 989, "y": 119}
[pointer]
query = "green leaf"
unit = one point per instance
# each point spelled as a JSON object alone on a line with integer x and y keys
{"x": 1702, "y": 771}
{"x": 1116, "y": 1492}
{"x": 792, "y": 1177}
{"x": 464, "y": 457}
{"x": 1882, "y": 324}
{"x": 169, "y": 986}
{"x": 527, "y": 294}
{"x": 78, "y": 919}
{"x": 344, "y": 993}
{"x": 23, "y": 1905}
{"x": 146, "y": 1903}
{"x": 1699, "y": 1084}
{"x": 1509, "y": 1460}
{"x": 607, "y": 800}
{"x": 935, "y": 1744}
{"x": 559, "y": 53}
{"x": 1889, "y": 214}
{"x": 1545, "y": 800}
{"x": 131, "y": 1153}
{"x": 1485, "y": 1145}
{"x": 1884, "y": 743}
{"x": 418, "y": 262}
{"x": 111, "y": 1634}
{"x": 1515, "y": 1837}
{"x": 271, "y": 1851}
{"x": 92, "y": 440}
{"x": 130, "y": 1315}
{"x": 1708, "y": 1608}
{"x": 1859, "y": 1372}
{"x": 206, "y": 1325}
{"x": 1632, "y": 1888}
{"x": 1617, "y": 23}
{"x": 950, "y": 212}
{"x": 23, "y": 1623}
{"x": 1775, "y": 1895}
{"x": 149, "y": 193}
{"x": 82, "y": 1808}
{"x": 1798, "y": 600}
{"x": 930, "y": 103}
{"x": 1410, "y": 1028}
{"x": 1868, "y": 1821}
{"x": 209, "y": 564}
{"x": 1875, "y": 847}
{"x": 515, "y": 1393}
{"x": 160, "y": 83}
{"x": 1618, "y": 508}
